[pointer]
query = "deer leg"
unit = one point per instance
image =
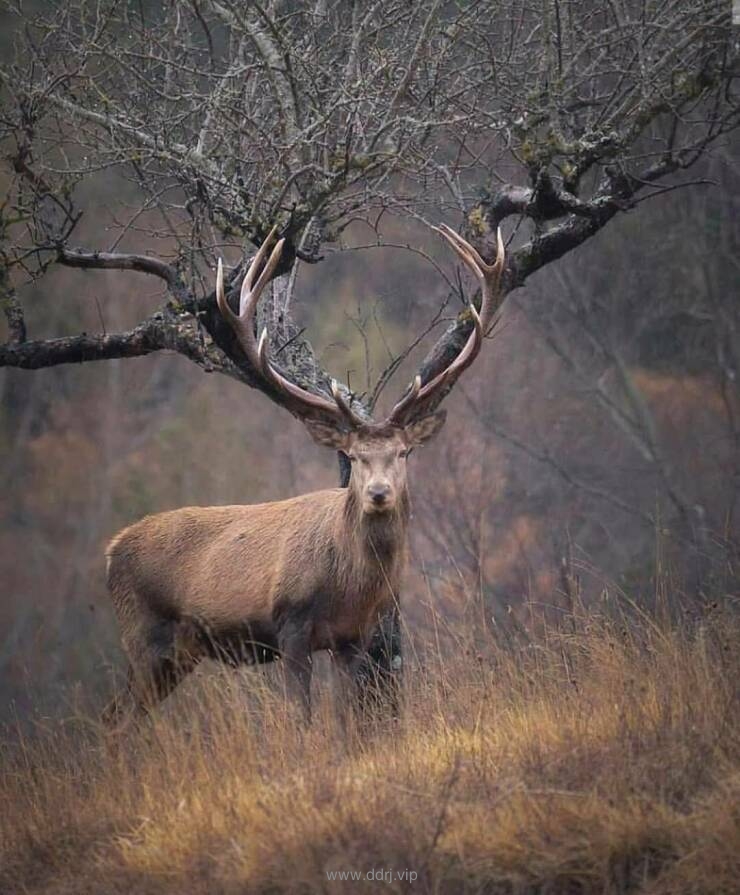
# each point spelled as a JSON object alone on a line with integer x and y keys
{"x": 294, "y": 643}
{"x": 346, "y": 660}
{"x": 123, "y": 705}
{"x": 379, "y": 675}
{"x": 144, "y": 689}
{"x": 158, "y": 662}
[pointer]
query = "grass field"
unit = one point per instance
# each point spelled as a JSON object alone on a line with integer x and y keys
{"x": 601, "y": 756}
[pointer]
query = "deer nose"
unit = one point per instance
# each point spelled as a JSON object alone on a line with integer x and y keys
{"x": 378, "y": 493}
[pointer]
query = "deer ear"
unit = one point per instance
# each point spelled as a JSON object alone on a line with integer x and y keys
{"x": 425, "y": 429}
{"x": 327, "y": 435}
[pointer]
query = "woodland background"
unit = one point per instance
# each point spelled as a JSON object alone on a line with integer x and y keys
{"x": 605, "y": 404}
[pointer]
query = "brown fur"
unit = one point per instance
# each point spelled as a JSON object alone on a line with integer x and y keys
{"x": 249, "y": 583}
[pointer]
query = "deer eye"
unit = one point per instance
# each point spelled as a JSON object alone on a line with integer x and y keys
{"x": 404, "y": 453}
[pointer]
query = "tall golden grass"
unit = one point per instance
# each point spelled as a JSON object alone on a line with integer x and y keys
{"x": 601, "y": 756}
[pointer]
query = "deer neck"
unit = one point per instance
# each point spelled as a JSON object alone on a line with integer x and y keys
{"x": 375, "y": 537}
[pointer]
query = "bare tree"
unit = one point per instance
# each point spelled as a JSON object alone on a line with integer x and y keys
{"x": 223, "y": 118}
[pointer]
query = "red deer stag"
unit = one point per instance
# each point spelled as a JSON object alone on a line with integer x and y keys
{"x": 284, "y": 579}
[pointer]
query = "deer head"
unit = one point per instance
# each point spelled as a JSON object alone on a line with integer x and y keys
{"x": 377, "y": 450}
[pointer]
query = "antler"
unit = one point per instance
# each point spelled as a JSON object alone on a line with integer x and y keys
{"x": 305, "y": 403}
{"x": 489, "y": 278}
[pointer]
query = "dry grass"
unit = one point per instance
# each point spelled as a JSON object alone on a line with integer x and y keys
{"x": 602, "y": 758}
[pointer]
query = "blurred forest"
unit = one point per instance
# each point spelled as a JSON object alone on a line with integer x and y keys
{"x": 603, "y": 411}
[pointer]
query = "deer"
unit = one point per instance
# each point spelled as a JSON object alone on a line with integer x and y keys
{"x": 249, "y": 584}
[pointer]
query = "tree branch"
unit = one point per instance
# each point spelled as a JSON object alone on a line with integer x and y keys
{"x": 36, "y": 354}
{"x": 12, "y": 309}
{"x": 164, "y": 331}
{"x": 543, "y": 202}
{"x": 616, "y": 194}
{"x": 120, "y": 261}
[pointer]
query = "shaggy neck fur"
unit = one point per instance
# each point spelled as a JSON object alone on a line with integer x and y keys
{"x": 377, "y": 543}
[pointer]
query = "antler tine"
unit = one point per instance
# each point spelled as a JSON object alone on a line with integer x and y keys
{"x": 339, "y": 409}
{"x": 223, "y": 305}
{"x": 406, "y": 401}
{"x": 243, "y": 322}
{"x": 463, "y": 359}
{"x": 352, "y": 418}
{"x": 249, "y": 290}
{"x": 250, "y": 294}
{"x": 463, "y": 249}
{"x": 305, "y": 402}
{"x": 489, "y": 277}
